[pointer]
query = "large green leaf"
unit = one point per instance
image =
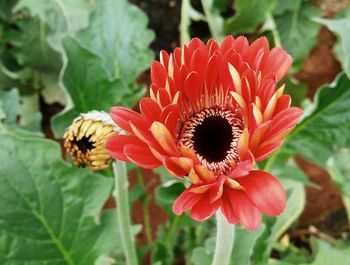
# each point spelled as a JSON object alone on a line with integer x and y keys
{"x": 326, "y": 123}
{"x": 88, "y": 85}
{"x": 118, "y": 33}
{"x": 328, "y": 254}
{"x": 31, "y": 48}
{"x": 63, "y": 17}
{"x": 340, "y": 27}
{"x": 295, "y": 27}
{"x": 50, "y": 212}
{"x": 244, "y": 21}
{"x": 339, "y": 168}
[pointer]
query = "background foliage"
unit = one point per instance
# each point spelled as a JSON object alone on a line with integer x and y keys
{"x": 62, "y": 57}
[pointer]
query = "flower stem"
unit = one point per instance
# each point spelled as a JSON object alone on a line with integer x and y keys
{"x": 145, "y": 207}
{"x": 123, "y": 211}
{"x": 172, "y": 229}
{"x": 225, "y": 234}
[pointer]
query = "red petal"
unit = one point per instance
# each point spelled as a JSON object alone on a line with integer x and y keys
{"x": 266, "y": 151}
{"x": 193, "y": 87}
{"x": 242, "y": 169}
{"x": 248, "y": 214}
{"x": 121, "y": 116}
{"x": 115, "y": 145}
{"x": 266, "y": 91}
{"x": 283, "y": 103}
{"x": 158, "y": 73}
{"x": 227, "y": 209}
{"x": 212, "y": 46}
{"x": 185, "y": 201}
{"x": 150, "y": 109}
{"x": 141, "y": 155}
{"x": 170, "y": 117}
{"x": 199, "y": 62}
{"x": 284, "y": 120}
{"x": 258, "y": 135}
{"x": 227, "y": 44}
{"x": 163, "y": 97}
{"x": 265, "y": 191}
{"x": 177, "y": 55}
{"x": 212, "y": 72}
{"x": 203, "y": 209}
{"x": 256, "y": 51}
{"x": 240, "y": 44}
{"x": 164, "y": 58}
{"x": 165, "y": 139}
{"x": 178, "y": 166}
{"x": 278, "y": 62}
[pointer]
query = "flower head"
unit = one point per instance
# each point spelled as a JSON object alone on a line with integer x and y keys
{"x": 213, "y": 112}
{"x": 85, "y": 139}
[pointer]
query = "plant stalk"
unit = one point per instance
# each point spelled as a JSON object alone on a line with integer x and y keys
{"x": 123, "y": 211}
{"x": 225, "y": 235}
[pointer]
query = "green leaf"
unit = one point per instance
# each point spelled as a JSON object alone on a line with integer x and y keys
{"x": 339, "y": 168}
{"x": 88, "y": 85}
{"x": 204, "y": 255}
{"x": 6, "y": 7}
{"x": 50, "y": 212}
{"x": 295, "y": 89}
{"x": 327, "y": 254}
{"x": 10, "y": 105}
{"x": 168, "y": 193}
{"x": 162, "y": 254}
{"x": 341, "y": 28}
{"x": 244, "y": 21}
{"x": 326, "y": 123}
{"x": 31, "y": 48}
{"x": 118, "y": 34}
{"x": 277, "y": 226}
{"x": 243, "y": 245}
{"x": 296, "y": 29}
{"x": 29, "y": 113}
{"x": 64, "y": 17}
{"x": 201, "y": 257}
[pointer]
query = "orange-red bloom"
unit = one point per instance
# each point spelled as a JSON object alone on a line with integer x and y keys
{"x": 213, "y": 112}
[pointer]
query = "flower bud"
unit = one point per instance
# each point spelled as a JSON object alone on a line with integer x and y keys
{"x": 85, "y": 139}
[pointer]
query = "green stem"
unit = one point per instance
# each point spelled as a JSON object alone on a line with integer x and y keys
{"x": 213, "y": 27}
{"x": 145, "y": 207}
{"x": 225, "y": 235}
{"x": 275, "y": 34}
{"x": 123, "y": 211}
{"x": 172, "y": 229}
{"x": 184, "y": 23}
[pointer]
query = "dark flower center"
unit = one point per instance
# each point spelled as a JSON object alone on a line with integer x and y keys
{"x": 212, "y": 139}
{"x": 213, "y": 135}
{"x": 84, "y": 144}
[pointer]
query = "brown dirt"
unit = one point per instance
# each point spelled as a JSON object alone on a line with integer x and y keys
{"x": 320, "y": 66}
{"x": 319, "y": 202}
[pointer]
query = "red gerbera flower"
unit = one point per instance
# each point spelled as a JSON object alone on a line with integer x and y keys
{"x": 213, "y": 112}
